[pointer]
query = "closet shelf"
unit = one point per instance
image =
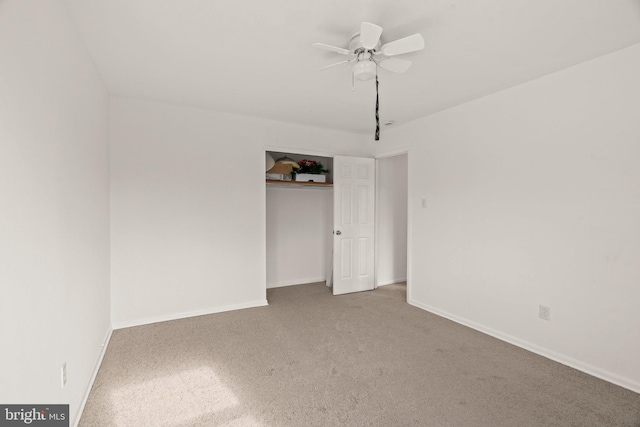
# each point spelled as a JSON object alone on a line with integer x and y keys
{"x": 290, "y": 184}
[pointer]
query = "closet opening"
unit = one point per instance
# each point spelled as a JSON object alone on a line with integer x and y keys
{"x": 299, "y": 220}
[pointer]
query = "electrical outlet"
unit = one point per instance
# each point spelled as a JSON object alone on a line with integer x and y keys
{"x": 544, "y": 312}
{"x": 63, "y": 374}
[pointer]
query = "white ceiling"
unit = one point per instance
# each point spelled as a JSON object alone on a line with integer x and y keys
{"x": 254, "y": 57}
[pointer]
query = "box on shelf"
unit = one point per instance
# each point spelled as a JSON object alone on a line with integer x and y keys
{"x": 310, "y": 177}
{"x": 279, "y": 176}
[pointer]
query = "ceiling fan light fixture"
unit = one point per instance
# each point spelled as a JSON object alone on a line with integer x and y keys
{"x": 364, "y": 70}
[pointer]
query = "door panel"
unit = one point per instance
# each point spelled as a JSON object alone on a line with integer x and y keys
{"x": 346, "y": 248}
{"x": 354, "y": 227}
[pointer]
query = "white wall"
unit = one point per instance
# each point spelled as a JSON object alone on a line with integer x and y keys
{"x": 391, "y": 234}
{"x": 533, "y": 198}
{"x": 188, "y": 206}
{"x": 54, "y": 207}
{"x": 299, "y": 224}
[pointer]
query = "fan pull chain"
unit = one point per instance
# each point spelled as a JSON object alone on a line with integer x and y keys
{"x": 377, "y": 138}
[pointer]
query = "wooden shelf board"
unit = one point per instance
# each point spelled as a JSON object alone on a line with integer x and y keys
{"x": 294, "y": 183}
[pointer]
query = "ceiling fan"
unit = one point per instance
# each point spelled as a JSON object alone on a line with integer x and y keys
{"x": 367, "y": 51}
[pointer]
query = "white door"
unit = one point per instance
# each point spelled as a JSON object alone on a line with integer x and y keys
{"x": 353, "y": 224}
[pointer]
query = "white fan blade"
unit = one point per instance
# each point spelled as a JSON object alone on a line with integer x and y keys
{"x": 396, "y": 65}
{"x": 331, "y": 48}
{"x": 333, "y": 65}
{"x": 369, "y": 35}
{"x": 405, "y": 45}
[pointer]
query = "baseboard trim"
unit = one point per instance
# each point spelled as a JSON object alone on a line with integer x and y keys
{"x": 298, "y": 282}
{"x": 183, "y": 315}
{"x": 391, "y": 282}
{"x": 549, "y": 354}
{"x": 96, "y": 368}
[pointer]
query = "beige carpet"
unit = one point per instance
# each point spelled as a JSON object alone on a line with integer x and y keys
{"x": 312, "y": 359}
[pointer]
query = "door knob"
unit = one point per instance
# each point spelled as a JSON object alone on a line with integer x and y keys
{"x": 338, "y": 232}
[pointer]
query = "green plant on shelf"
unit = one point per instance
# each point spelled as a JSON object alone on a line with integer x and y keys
{"x": 310, "y": 166}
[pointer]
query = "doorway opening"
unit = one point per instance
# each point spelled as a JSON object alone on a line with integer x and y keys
{"x": 392, "y": 237}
